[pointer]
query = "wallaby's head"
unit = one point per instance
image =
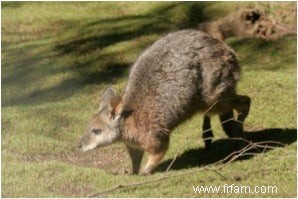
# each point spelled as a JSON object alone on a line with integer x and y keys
{"x": 103, "y": 128}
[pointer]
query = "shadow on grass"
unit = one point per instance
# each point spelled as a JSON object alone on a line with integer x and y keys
{"x": 12, "y": 4}
{"x": 222, "y": 148}
{"x": 70, "y": 86}
{"x": 157, "y": 21}
{"x": 80, "y": 55}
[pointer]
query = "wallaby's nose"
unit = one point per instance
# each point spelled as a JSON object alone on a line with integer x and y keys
{"x": 80, "y": 145}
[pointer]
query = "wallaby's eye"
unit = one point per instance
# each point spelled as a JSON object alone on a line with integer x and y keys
{"x": 96, "y": 131}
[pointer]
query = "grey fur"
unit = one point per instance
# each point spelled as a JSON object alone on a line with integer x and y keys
{"x": 181, "y": 71}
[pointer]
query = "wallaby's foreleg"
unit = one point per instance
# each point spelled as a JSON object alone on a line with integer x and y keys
{"x": 207, "y": 132}
{"x": 136, "y": 158}
{"x": 155, "y": 156}
{"x": 153, "y": 160}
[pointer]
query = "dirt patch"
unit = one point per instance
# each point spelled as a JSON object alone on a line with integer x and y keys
{"x": 113, "y": 159}
{"x": 70, "y": 190}
{"x": 253, "y": 22}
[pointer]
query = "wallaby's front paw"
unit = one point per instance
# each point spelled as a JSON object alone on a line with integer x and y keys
{"x": 145, "y": 172}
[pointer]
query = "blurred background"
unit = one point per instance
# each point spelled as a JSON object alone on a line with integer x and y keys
{"x": 58, "y": 56}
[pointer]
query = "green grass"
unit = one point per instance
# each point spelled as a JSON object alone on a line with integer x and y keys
{"x": 56, "y": 59}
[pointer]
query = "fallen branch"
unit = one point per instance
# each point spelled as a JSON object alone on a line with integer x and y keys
{"x": 172, "y": 162}
{"x": 210, "y": 107}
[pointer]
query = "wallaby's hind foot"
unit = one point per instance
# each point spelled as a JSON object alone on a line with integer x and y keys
{"x": 242, "y": 105}
{"x": 227, "y": 123}
{"x": 234, "y": 128}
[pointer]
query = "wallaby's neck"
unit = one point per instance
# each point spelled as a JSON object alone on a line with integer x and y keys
{"x": 128, "y": 131}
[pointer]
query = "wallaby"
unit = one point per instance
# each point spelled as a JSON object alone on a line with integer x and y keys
{"x": 181, "y": 74}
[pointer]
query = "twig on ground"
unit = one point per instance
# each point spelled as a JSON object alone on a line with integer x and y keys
{"x": 172, "y": 162}
{"x": 210, "y": 107}
{"x": 221, "y": 175}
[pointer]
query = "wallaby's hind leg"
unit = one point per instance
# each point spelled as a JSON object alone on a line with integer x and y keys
{"x": 242, "y": 105}
{"x": 136, "y": 158}
{"x": 234, "y": 128}
{"x": 207, "y": 132}
{"x": 228, "y": 123}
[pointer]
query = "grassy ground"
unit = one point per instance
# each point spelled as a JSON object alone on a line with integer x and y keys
{"x": 57, "y": 57}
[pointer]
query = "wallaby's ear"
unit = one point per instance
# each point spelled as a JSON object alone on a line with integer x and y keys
{"x": 106, "y": 98}
{"x": 110, "y": 104}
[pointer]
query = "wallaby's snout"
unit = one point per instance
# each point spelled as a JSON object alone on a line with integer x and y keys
{"x": 81, "y": 144}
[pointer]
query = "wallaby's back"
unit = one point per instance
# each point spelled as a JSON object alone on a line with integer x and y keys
{"x": 183, "y": 72}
